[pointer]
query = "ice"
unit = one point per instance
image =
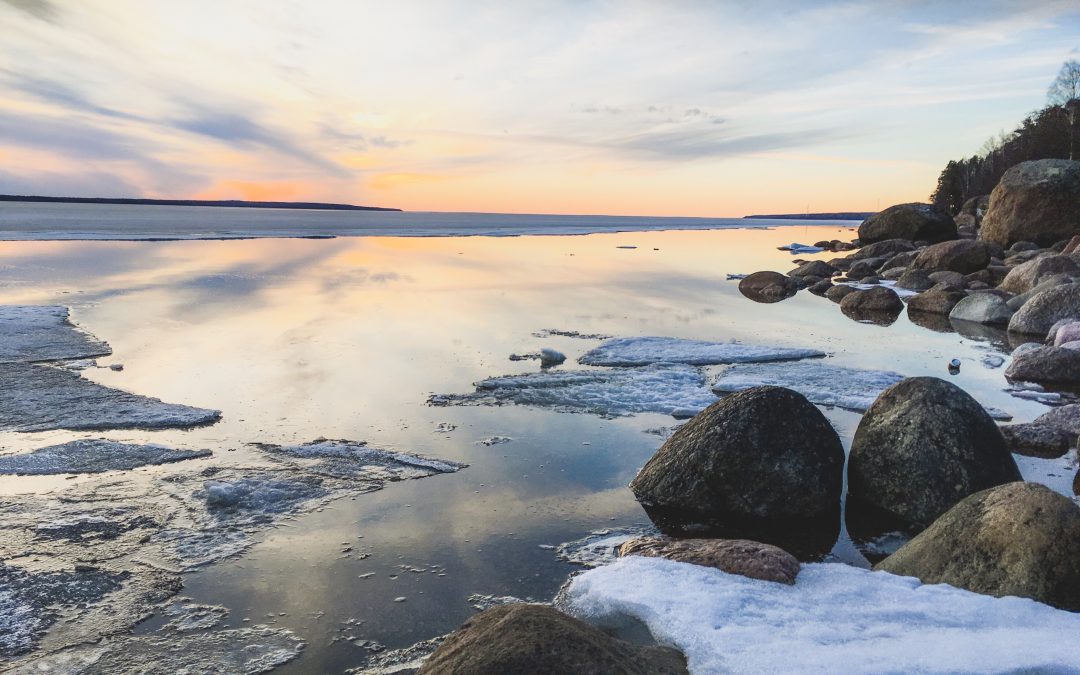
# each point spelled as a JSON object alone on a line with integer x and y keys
{"x": 30, "y": 333}
{"x": 243, "y": 651}
{"x": 548, "y": 332}
{"x": 819, "y": 381}
{"x": 662, "y": 388}
{"x": 886, "y": 283}
{"x": 599, "y": 547}
{"x": 188, "y": 615}
{"x": 355, "y": 459}
{"x": 481, "y": 602}
{"x": 92, "y": 456}
{"x": 836, "y": 618}
{"x": 642, "y": 351}
{"x": 495, "y": 440}
{"x": 41, "y": 398}
{"x": 801, "y": 248}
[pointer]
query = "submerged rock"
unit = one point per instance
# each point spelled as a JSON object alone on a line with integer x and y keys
{"x": 92, "y": 456}
{"x": 768, "y": 287}
{"x": 30, "y": 333}
{"x": 1018, "y": 539}
{"x": 734, "y": 461}
{"x": 735, "y": 556}
{"x": 524, "y": 638}
{"x": 913, "y": 222}
{"x": 1037, "y": 201}
{"x": 924, "y": 445}
{"x": 41, "y": 398}
{"x": 643, "y": 351}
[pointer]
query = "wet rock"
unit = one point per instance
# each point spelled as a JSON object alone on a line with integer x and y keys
{"x": 1036, "y": 201}
{"x": 915, "y": 280}
{"x": 1019, "y": 539}
{"x": 816, "y": 268}
{"x": 838, "y": 292}
{"x": 864, "y": 268}
{"x": 938, "y": 300}
{"x": 729, "y": 461}
{"x": 1046, "y": 365}
{"x": 985, "y": 308}
{"x": 1036, "y": 440}
{"x": 963, "y": 256}
{"x": 883, "y": 249}
{"x": 1026, "y": 276}
{"x": 768, "y": 287}
{"x": 924, "y": 445}
{"x": 1046, "y": 308}
{"x": 524, "y": 638}
{"x": 894, "y": 273}
{"x": 877, "y": 305}
{"x": 936, "y": 322}
{"x": 949, "y": 278}
{"x": 908, "y": 221}
{"x": 821, "y": 287}
{"x": 734, "y": 556}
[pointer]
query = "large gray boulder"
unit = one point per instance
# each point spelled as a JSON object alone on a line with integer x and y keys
{"x": 525, "y": 638}
{"x": 1026, "y": 276}
{"x": 878, "y": 304}
{"x": 914, "y": 222}
{"x": 987, "y": 308}
{"x": 938, "y": 300}
{"x": 1018, "y": 539}
{"x": 963, "y": 255}
{"x": 764, "y": 453}
{"x": 1066, "y": 417}
{"x": 768, "y": 287}
{"x": 1036, "y": 201}
{"x": 1045, "y": 365}
{"x": 1039, "y": 314}
{"x": 883, "y": 249}
{"x": 814, "y": 268}
{"x": 1037, "y": 440}
{"x": 735, "y": 556}
{"x": 922, "y": 446}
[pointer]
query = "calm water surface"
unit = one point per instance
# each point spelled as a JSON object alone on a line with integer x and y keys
{"x": 345, "y": 338}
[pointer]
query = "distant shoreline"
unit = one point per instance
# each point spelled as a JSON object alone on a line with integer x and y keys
{"x": 227, "y": 203}
{"x": 843, "y": 215}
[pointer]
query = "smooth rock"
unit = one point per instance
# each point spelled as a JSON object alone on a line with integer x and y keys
{"x": 1036, "y": 440}
{"x": 838, "y": 292}
{"x": 816, "y": 268}
{"x": 1026, "y": 276}
{"x": 908, "y": 221}
{"x": 734, "y": 556}
{"x": 915, "y": 280}
{"x": 963, "y": 256}
{"x": 935, "y": 301}
{"x": 985, "y": 308}
{"x": 1046, "y": 365}
{"x": 1036, "y": 201}
{"x": 768, "y": 287}
{"x": 1046, "y": 308}
{"x": 880, "y": 305}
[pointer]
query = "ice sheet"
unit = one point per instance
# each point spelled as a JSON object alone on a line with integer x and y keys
{"x": 92, "y": 456}
{"x": 836, "y": 618}
{"x": 642, "y": 351}
{"x": 30, "y": 333}
{"x": 819, "y": 381}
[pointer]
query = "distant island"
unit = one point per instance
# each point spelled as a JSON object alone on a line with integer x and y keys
{"x": 230, "y": 203}
{"x": 844, "y": 215}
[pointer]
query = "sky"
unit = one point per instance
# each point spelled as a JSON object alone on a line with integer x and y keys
{"x": 666, "y": 107}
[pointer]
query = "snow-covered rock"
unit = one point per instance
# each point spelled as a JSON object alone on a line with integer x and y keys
{"x": 642, "y": 351}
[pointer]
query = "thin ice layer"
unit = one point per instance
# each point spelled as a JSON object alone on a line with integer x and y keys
{"x": 41, "y": 398}
{"x": 820, "y": 382}
{"x": 642, "y": 351}
{"x": 92, "y": 456}
{"x": 351, "y": 459}
{"x": 600, "y": 547}
{"x": 836, "y": 618}
{"x": 31, "y": 333}
{"x": 660, "y": 388}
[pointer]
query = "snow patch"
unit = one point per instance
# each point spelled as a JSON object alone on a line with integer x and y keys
{"x": 642, "y": 351}
{"x": 820, "y": 382}
{"x": 836, "y": 618}
{"x": 92, "y": 456}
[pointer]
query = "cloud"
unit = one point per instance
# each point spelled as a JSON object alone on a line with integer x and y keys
{"x": 41, "y": 9}
{"x": 65, "y": 184}
{"x": 684, "y": 144}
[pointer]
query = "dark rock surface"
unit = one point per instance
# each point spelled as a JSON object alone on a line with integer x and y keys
{"x": 1036, "y": 201}
{"x": 768, "y": 287}
{"x": 913, "y": 222}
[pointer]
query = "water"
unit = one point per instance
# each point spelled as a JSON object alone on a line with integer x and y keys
{"x": 294, "y": 339}
{"x": 28, "y": 221}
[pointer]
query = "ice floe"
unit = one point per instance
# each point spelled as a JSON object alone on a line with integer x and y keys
{"x": 41, "y": 398}
{"x": 661, "y": 388}
{"x": 30, "y": 333}
{"x": 92, "y": 456}
{"x": 600, "y": 547}
{"x": 642, "y": 351}
{"x": 836, "y": 618}
{"x": 188, "y": 615}
{"x": 819, "y": 381}
{"x": 355, "y": 459}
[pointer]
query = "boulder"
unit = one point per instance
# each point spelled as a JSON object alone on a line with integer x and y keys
{"x": 893, "y": 273}
{"x": 1046, "y": 308}
{"x": 912, "y": 222}
{"x": 1036, "y": 440}
{"x": 1069, "y": 332}
{"x": 938, "y": 300}
{"x": 815, "y": 268}
{"x": 883, "y": 249}
{"x": 877, "y": 304}
{"x": 954, "y": 279}
{"x": 736, "y": 460}
{"x": 838, "y": 292}
{"x": 768, "y": 287}
{"x": 864, "y": 268}
{"x": 922, "y": 446}
{"x": 963, "y": 256}
{"x": 821, "y": 287}
{"x": 1017, "y": 301}
{"x": 734, "y": 556}
{"x": 1065, "y": 417}
{"x": 1019, "y": 539}
{"x": 525, "y": 638}
{"x": 987, "y": 308}
{"x": 915, "y": 280}
{"x": 1036, "y": 201}
{"x": 1046, "y": 365}
{"x": 1026, "y": 276}
{"x": 1073, "y": 246}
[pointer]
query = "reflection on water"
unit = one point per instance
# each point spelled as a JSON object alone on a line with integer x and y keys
{"x": 346, "y": 338}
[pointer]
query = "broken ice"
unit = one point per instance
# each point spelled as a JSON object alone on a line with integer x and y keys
{"x": 820, "y": 382}
{"x": 642, "y": 351}
{"x": 92, "y": 456}
{"x": 661, "y": 388}
{"x": 600, "y": 547}
{"x": 30, "y": 333}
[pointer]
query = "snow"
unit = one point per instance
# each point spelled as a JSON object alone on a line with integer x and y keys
{"x": 836, "y": 618}
{"x": 662, "y": 388}
{"x": 642, "y": 351}
{"x": 41, "y": 398}
{"x": 30, "y": 333}
{"x": 92, "y": 456}
{"x": 819, "y": 381}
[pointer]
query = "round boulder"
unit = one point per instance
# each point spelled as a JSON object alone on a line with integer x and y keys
{"x": 838, "y": 292}
{"x": 913, "y": 222}
{"x": 1026, "y": 276}
{"x": 814, "y": 268}
{"x": 883, "y": 249}
{"x": 922, "y": 446}
{"x": 764, "y": 453}
{"x": 734, "y": 556}
{"x": 1038, "y": 315}
{"x": 987, "y": 308}
{"x": 1036, "y": 201}
{"x": 938, "y": 300}
{"x": 768, "y": 287}
{"x": 915, "y": 280}
{"x": 1046, "y": 365}
{"x": 1036, "y": 440}
{"x": 964, "y": 256}
{"x": 1018, "y": 539}
{"x": 878, "y": 305}
{"x": 525, "y": 638}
